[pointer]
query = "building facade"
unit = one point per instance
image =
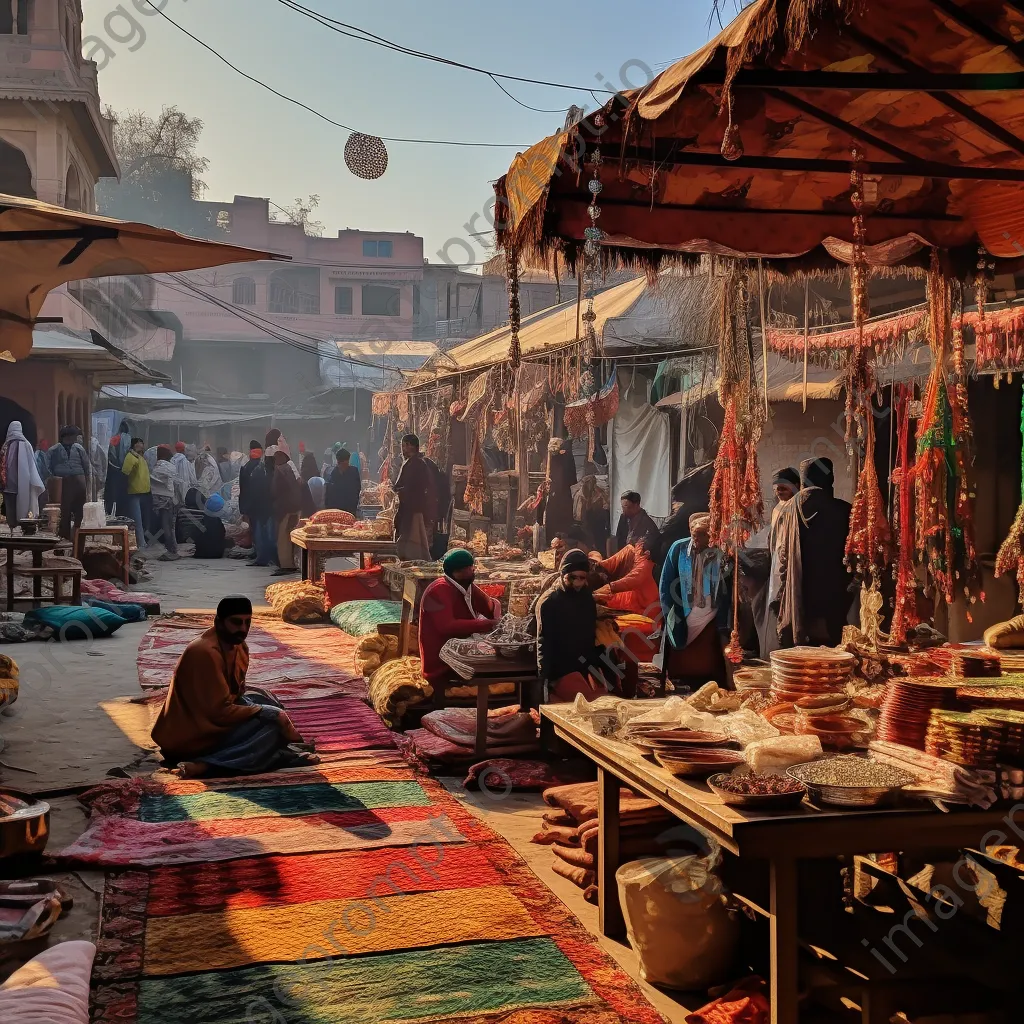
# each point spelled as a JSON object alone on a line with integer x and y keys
{"x": 55, "y": 142}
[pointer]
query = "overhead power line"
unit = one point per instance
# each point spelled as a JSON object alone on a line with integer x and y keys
{"x": 324, "y": 117}
{"x": 365, "y": 36}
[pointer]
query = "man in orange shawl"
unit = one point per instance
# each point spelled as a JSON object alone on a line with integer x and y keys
{"x": 631, "y": 585}
{"x": 210, "y": 723}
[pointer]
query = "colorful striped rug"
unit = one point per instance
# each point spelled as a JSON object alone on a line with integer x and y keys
{"x": 351, "y": 893}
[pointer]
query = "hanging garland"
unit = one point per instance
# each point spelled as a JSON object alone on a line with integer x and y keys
{"x": 885, "y": 335}
{"x": 869, "y": 544}
{"x": 944, "y": 505}
{"x": 1011, "y": 553}
{"x": 514, "y": 307}
{"x": 904, "y": 616}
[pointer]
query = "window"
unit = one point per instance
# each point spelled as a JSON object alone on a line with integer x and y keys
{"x": 378, "y": 249}
{"x": 243, "y": 291}
{"x": 296, "y": 290}
{"x": 9, "y": 25}
{"x": 343, "y": 300}
{"x": 380, "y": 300}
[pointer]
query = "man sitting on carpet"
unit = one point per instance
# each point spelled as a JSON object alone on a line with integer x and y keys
{"x": 210, "y": 723}
{"x": 631, "y": 585}
{"x": 452, "y": 607}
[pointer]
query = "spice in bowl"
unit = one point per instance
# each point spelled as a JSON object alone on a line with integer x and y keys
{"x": 758, "y": 785}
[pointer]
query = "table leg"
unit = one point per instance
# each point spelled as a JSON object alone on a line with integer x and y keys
{"x": 126, "y": 558}
{"x": 10, "y": 579}
{"x": 304, "y": 562}
{"x": 612, "y": 924}
{"x": 483, "y": 691}
{"x": 362, "y": 559}
{"x": 37, "y": 581}
{"x": 784, "y": 952}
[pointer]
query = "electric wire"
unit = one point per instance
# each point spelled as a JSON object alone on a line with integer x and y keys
{"x": 324, "y": 117}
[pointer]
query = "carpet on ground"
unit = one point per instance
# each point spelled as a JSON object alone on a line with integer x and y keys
{"x": 351, "y": 891}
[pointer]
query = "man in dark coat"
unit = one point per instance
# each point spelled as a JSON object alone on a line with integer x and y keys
{"x": 824, "y": 526}
{"x": 635, "y": 524}
{"x": 286, "y": 494}
{"x": 417, "y": 503}
{"x": 254, "y": 502}
{"x": 343, "y": 484}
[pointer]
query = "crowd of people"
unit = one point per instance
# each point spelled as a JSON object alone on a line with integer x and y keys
{"x": 176, "y": 493}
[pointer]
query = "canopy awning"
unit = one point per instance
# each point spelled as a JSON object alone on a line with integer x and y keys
{"x": 43, "y": 246}
{"x": 745, "y": 148}
{"x": 89, "y": 353}
{"x": 786, "y": 379}
{"x": 547, "y": 330}
{"x": 151, "y": 394}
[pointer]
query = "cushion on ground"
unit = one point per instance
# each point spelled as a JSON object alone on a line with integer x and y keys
{"x": 396, "y": 685}
{"x": 53, "y": 988}
{"x": 298, "y": 601}
{"x": 373, "y": 650}
{"x": 355, "y": 585}
{"x": 72, "y": 622}
{"x": 128, "y": 612}
{"x": 359, "y": 618}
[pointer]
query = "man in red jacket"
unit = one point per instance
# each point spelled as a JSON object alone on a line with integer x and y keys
{"x": 631, "y": 585}
{"x": 453, "y": 607}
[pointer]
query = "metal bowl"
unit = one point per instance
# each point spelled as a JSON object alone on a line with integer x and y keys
{"x": 24, "y": 824}
{"x": 28, "y": 526}
{"x": 849, "y": 796}
{"x": 756, "y": 801}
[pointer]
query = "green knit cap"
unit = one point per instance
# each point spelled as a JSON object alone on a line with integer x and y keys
{"x": 456, "y": 559}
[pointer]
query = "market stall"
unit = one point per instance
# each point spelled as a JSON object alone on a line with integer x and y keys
{"x": 814, "y": 142}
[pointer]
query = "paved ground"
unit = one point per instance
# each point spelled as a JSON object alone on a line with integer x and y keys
{"x": 74, "y": 726}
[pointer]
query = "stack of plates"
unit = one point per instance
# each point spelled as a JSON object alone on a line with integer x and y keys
{"x": 969, "y": 739}
{"x": 1012, "y": 750}
{"x": 908, "y": 705}
{"x": 686, "y": 752}
{"x": 638, "y": 730}
{"x": 991, "y": 696}
{"x": 809, "y": 671}
{"x": 975, "y": 664}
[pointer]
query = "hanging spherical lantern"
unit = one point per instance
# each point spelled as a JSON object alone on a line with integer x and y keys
{"x": 366, "y": 156}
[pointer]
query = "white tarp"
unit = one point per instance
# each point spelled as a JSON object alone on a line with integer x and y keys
{"x": 641, "y": 445}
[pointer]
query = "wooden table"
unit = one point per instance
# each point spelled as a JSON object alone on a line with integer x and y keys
{"x": 117, "y": 532}
{"x": 336, "y": 547}
{"x": 38, "y": 544}
{"x": 519, "y": 671}
{"x": 782, "y": 839}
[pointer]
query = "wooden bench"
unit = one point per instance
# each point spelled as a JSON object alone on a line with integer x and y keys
{"x": 58, "y": 574}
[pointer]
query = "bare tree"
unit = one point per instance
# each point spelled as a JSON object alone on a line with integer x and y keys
{"x": 300, "y": 213}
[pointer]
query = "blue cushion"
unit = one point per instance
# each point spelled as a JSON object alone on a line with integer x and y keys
{"x": 73, "y": 622}
{"x": 128, "y": 612}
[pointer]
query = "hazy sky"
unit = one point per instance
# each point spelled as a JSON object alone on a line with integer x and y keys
{"x": 261, "y": 145}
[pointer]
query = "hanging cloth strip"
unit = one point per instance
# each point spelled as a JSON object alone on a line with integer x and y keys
{"x": 1011, "y": 554}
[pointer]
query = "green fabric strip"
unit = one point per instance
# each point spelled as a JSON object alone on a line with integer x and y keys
{"x": 274, "y": 801}
{"x": 446, "y": 982}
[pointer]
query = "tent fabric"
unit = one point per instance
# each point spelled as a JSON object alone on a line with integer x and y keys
{"x": 786, "y": 379}
{"x": 67, "y": 245}
{"x": 640, "y": 442}
{"x": 550, "y": 329}
{"x": 939, "y": 168}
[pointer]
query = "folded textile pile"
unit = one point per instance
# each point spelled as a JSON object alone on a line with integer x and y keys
{"x": 450, "y": 734}
{"x": 373, "y": 650}
{"x": 53, "y": 988}
{"x": 298, "y": 601}
{"x": 463, "y": 655}
{"x": 358, "y": 618}
{"x": 501, "y": 774}
{"x": 571, "y": 830}
{"x": 397, "y": 685}
{"x": 107, "y": 591}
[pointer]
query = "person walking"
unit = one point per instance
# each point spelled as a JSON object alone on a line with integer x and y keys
{"x": 286, "y": 493}
{"x": 164, "y": 484}
{"x": 19, "y": 478}
{"x": 137, "y": 473}
{"x": 254, "y": 502}
{"x": 69, "y": 462}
